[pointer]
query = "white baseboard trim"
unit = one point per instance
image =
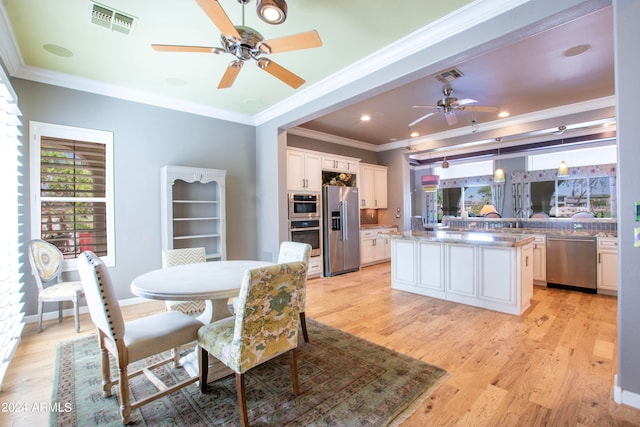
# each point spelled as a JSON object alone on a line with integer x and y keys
{"x": 68, "y": 312}
{"x": 625, "y": 397}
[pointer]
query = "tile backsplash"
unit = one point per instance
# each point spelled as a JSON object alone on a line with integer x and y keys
{"x": 368, "y": 216}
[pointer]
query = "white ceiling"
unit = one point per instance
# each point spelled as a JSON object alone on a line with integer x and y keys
{"x": 55, "y": 42}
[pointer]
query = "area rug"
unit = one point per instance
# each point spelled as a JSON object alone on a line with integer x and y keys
{"x": 344, "y": 381}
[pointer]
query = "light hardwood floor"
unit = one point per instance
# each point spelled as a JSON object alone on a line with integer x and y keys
{"x": 553, "y": 366}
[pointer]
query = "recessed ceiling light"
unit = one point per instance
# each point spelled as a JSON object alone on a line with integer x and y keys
{"x": 576, "y": 50}
{"x": 503, "y": 114}
{"x": 56, "y": 50}
{"x": 365, "y": 118}
{"x": 414, "y": 134}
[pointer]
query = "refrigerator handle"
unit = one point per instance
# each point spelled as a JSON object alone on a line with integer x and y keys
{"x": 343, "y": 218}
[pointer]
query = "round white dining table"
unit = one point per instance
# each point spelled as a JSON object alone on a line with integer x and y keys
{"x": 214, "y": 282}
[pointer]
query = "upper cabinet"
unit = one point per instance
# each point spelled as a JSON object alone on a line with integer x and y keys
{"x": 193, "y": 210}
{"x": 373, "y": 186}
{"x": 304, "y": 170}
{"x": 340, "y": 164}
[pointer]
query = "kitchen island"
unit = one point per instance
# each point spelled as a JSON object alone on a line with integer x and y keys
{"x": 487, "y": 270}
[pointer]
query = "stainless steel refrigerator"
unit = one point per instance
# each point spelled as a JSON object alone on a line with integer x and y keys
{"x": 341, "y": 231}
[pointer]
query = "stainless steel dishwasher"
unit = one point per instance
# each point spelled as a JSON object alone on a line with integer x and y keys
{"x": 571, "y": 263}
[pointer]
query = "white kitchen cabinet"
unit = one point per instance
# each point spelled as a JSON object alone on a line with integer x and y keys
{"x": 373, "y": 186}
{"x": 540, "y": 259}
{"x": 340, "y": 164}
{"x": 608, "y": 265}
{"x": 489, "y": 276}
{"x": 372, "y": 248}
{"x": 315, "y": 266}
{"x": 304, "y": 170}
{"x": 193, "y": 209}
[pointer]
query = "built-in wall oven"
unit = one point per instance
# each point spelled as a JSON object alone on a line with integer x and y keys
{"x": 306, "y": 231}
{"x": 304, "y": 206}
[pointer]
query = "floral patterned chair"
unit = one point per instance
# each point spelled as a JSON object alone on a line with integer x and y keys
{"x": 265, "y": 326}
{"x": 293, "y": 251}
{"x": 131, "y": 341}
{"x": 46, "y": 266}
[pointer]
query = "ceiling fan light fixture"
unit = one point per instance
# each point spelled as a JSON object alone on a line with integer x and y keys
{"x": 272, "y": 11}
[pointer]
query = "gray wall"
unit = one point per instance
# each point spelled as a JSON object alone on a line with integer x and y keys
{"x": 627, "y": 66}
{"x": 145, "y": 138}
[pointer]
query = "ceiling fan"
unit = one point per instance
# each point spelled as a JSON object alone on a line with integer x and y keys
{"x": 449, "y": 105}
{"x": 245, "y": 43}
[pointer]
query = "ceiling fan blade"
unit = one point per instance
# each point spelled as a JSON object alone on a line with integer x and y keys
{"x": 281, "y": 73}
{"x": 465, "y": 101}
{"x": 174, "y": 48}
{"x": 216, "y": 13}
{"x": 415, "y": 122}
{"x": 451, "y": 117}
{"x": 480, "y": 108}
{"x": 425, "y": 106}
{"x": 295, "y": 42}
{"x": 230, "y": 74}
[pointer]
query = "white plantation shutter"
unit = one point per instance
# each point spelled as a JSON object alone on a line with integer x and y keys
{"x": 11, "y": 305}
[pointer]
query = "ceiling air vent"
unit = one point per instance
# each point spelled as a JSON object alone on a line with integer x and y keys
{"x": 448, "y": 75}
{"x": 112, "y": 19}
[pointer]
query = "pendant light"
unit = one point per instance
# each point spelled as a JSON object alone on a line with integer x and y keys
{"x": 430, "y": 183}
{"x": 498, "y": 174}
{"x": 563, "y": 168}
{"x": 445, "y": 163}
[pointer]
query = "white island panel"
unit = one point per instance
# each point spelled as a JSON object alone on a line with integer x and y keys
{"x": 496, "y": 274}
{"x": 403, "y": 253}
{"x": 431, "y": 269}
{"x": 461, "y": 274}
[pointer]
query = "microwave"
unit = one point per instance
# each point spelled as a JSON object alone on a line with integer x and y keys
{"x": 304, "y": 205}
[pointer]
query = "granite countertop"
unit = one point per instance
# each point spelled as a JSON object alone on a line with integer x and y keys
{"x": 468, "y": 237}
{"x": 532, "y": 231}
{"x": 374, "y": 226}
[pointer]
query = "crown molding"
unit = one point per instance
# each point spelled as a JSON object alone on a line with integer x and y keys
{"x": 334, "y": 139}
{"x": 120, "y": 92}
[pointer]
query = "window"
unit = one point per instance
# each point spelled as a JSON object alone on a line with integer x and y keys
{"x": 473, "y": 199}
{"x": 71, "y": 184}
{"x": 11, "y": 282}
{"x": 564, "y": 197}
{"x": 463, "y": 170}
{"x": 580, "y": 157}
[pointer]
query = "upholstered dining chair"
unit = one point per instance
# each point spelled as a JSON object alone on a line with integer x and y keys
{"x": 265, "y": 326}
{"x": 296, "y": 251}
{"x": 133, "y": 340}
{"x": 293, "y": 251}
{"x": 46, "y": 262}
{"x": 173, "y": 257}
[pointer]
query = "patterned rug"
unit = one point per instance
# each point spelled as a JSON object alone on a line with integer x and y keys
{"x": 344, "y": 380}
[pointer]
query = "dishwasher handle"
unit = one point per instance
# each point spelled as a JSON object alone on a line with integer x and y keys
{"x": 551, "y": 239}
